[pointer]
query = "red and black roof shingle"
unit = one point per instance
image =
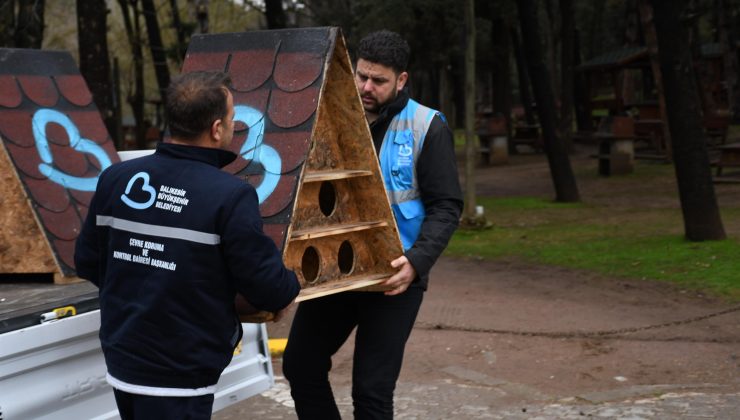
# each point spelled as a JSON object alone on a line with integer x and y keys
{"x": 56, "y": 139}
{"x": 276, "y": 81}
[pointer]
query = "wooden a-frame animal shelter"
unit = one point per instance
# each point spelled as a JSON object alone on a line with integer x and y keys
{"x": 300, "y": 134}
{"x": 304, "y": 143}
{"x": 53, "y": 146}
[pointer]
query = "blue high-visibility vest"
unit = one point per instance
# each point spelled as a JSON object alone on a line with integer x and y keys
{"x": 398, "y": 155}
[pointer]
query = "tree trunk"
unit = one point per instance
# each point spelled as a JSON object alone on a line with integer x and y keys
{"x": 631, "y": 39}
{"x": 182, "y": 45}
{"x": 647, "y": 18}
{"x": 698, "y": 201}
{"x": 581, "y": 93}
{"x": 568, "y": 27}
{"x": 707, "y": 102}
{"x": 136, "y": 94}
{"x": 501, "y": 67}
{"x": 7, "y": 23}
{"x": 552, "y": 45}
{"x": 566, "y": 189}
{"x": 447, "y": 105}
{"x": 155, "y": 46}
{"x": 29, "y": 31}
{"x": 275, "y": 14}
{"x": 117, "y": 107}
{"x": 595, "y": 27}
{"x": 199, "y": 14}
{"x": 470, "y": 110}
{"x": 94, "y": 58}
{"x": 522, "y": 70}
{"x": 729, "y": 56}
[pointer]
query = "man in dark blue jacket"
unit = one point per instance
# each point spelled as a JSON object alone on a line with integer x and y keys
{"x": 170, "y": 239}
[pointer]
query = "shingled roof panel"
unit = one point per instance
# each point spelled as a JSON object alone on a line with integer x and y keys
{"x": 205, "y": 61}
{"x": 64, "y": 225}
{"x": 256, "y": 99}
{"x": 26, "y": 160}
{"x": 10, "y": 94}
{"x": 47, "y": 194}
{"x": 293, "y": 145}
{"x": 74, "y": 89}
{"x": 251, "y": 69}
{"x": 237, "y": 165}
{"x": 16, "y": 127}
{"x": 109, "y": 149}
{"x": 296, "y": 71}
{"x": 69, "y": 161}
{"x": 39, "y": 89}
{"x": 82, "y": 210}
{"x": 56, "y": 141}
{"x": 56, "y": 134}
{"x": 289, "y": 109}
{"x": 276, "y": 232}
{"x": 90, "y": 126}
{"x": 281, "y": 196}
{"x": 65, "y": 251}
{"x": 81, "y": 197}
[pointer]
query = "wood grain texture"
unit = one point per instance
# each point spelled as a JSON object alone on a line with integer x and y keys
{"x": 23, "y": 248}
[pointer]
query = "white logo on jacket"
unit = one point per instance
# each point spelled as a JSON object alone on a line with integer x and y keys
{"x": 145, "y": 187}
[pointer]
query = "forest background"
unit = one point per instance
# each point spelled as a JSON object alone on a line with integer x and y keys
{"x": 516, "y": 58}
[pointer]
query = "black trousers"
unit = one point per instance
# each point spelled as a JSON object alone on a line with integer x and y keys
{"x": 319, "y": 329}
{"x": 146, "y": 407}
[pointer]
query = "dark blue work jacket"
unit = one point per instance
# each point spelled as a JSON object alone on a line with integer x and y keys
{"x": 170, "y": 239}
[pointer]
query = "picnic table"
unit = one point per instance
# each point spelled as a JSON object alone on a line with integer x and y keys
{"x": 729, "y": 157}
{"x": 492, "y": 134}
{"x": 651, "y": 130}
{"x": 616, "y": 154}
{"x": 526, "y": 134}
{"x": 616, "y": 142}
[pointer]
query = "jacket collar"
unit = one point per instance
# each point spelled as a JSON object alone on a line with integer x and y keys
{"x": 214, "y": 157}
{"x": 387, "y": 112}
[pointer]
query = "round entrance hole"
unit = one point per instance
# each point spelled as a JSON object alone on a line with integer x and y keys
{"x": 310, "y": 265}
{"x": 346, "y": 257}
{"x": 327, "y": 198}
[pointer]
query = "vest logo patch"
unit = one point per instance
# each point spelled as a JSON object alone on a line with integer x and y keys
{"x": 405, "y": 151}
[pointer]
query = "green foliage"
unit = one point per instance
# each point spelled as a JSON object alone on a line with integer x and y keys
{"x": 635, "y": 243}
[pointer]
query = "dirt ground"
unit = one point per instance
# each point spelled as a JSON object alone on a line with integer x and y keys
{"x": 509, "y": 339}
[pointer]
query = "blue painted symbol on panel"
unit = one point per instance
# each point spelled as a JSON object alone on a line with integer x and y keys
{"x": 254, "y": 150}
{"x": 44, "y": 116}
{"x": 145, "y": 187}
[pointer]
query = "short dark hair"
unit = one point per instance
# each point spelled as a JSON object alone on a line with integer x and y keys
{"x": 386, "y": 48}
{"x": 194, "y": 101}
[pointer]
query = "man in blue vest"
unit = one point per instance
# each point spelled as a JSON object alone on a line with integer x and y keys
{"x": 169, "y": 240}
{"x": 417, "y": 158}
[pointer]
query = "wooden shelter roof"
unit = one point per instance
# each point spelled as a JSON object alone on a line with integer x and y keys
{"x": 615, "y": 59}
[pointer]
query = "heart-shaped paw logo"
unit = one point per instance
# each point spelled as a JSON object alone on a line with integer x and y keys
{"x": 145, "y": 187}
